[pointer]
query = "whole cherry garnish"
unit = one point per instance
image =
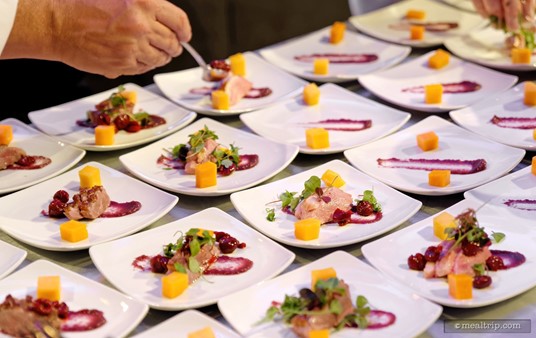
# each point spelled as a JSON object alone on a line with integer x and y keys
{"x": 121, "y": 121}
{"x": 159, "y": 264}
{"x": 26, "y": 161}
{"x": 364, "y": 208}
{"x": 416, "y": 262}
{"x": 495, "y": 263}
{"x": 62, "y": 195}
{"x": 470, "y": 248}
{"x": 55, "y": 208}
{"x": 480, "y": 282}
{"x": 103, "y": 119}
{"x": 133, "y": 127}
{"x": 228, "y": 244}
{"x": 220, "y": 234}
{"x": 432, "y": 253}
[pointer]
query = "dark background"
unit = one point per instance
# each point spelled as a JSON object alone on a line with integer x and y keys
{"x": 220, "y": 28}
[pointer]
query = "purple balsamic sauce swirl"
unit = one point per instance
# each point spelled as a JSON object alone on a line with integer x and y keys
{"x": 338, "y": 58}
{"x": 253, "y": 93}
{"x": 449, "y": 88}
{"x": 456, "y": 167}
{"x": 358, "y": 125}
{"x": 511, "y": 259}
{"x": 514, "y": 122}
{"x": 524, "y": 204}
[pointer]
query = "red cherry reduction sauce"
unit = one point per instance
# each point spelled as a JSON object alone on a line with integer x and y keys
{"x": 449, "y": 88}
{"x": 514, "y": 122}
{"x": 338, "y": 58}
{"x": 345, "y": 217}
{"x": 459, "y": 167}
{"x": 28, "y": 162}
{"x": 522, "y": 204}
{"x": 254, "y": 93}
{"x": 246, "y": 161}
{"x": 347, "y": 124}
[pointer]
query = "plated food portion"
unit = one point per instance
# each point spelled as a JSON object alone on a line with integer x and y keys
{"x": 419, "y": 85}
{"x": 83, "y": 207}
{"x": 466, "y": 256}
{"x": 417, "y": 23}
{"x": 209, "y": 158}
{"x": 11, "y": 258}
{"x": 357, "y": 300}
{"x": 118, "y": 118}
{"x": 346, "y": 119}
{"x": 256, "y": 84}
{"x": 329, "y": 206}
{"x": 419, "y": 159}
{"x": 191, "y": 262}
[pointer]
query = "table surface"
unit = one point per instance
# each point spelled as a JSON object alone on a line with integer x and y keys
{"x": 520, "y": 307}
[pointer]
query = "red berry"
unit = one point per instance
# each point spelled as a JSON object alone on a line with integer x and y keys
{"x": 228, "y": 244}
{"x": 62, "y": 195}
{"x": 26, "y": 161}
{"x": 432, "y": 253}
{"x": 121, "y": 121}
{"x": 470, "y": 248}
{"x": 364, "y": 208}
{"x": 103, "y": 119}
{"x": 133, "y": 127}
{"x": 416, "y": 262}
{"x": 227, "y": 171}
{"x": 55, "y": 208}
{"x": 159, "y": 264}
{"x": 480, "y": 282}
{"x": 495, "y": 263}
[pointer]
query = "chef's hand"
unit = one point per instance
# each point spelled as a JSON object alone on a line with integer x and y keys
{"x": 508, "y": 12}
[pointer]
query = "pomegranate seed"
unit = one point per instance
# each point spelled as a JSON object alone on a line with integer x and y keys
{"x": 416, "y": 262}
{"x": 62, "y": 195}
{"x": 480, "y": 282}
{"x": 364, "y": 208}
{"x": 495, "y": 263}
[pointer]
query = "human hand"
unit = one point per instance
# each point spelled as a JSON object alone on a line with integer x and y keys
{"x": 508, "y": 13}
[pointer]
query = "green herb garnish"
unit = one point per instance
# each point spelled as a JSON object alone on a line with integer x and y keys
{"x": 271, "y": 214}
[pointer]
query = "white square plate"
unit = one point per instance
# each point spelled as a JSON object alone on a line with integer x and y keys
{"x": 114, "y": 260}
{"x": 362, "y": 279}
{"x": 283, "y": 55}
{"x": 21, "y": 218}
{"x": 252, "y": 205}
{"x": 63, "y": 157}
{"x": 60, "y": 121}
{"x": 273, "y": 157}
{"x": 478, "y": 118}
{"x": 288, "y": 120}
{"x": 179, "y": 326}
{"x": 454, "y": 143}
{"x": 466, "y": 5}
{"x": 10, "y": 259}
{"x": 122, "y": 313}
{"x": 377, "y": 23}
{"x": 390, "y": 84}
{"x": 177, "y": 85}
{"x": 389, "y": 254}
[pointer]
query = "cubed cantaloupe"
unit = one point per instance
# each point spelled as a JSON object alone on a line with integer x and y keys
{"x": 321, "y": 66}
{"x": 201, "y": 231}
{"x": 534, "y": 133}
{"x": 319, "y": 333}
{"x": 174, "y": 284}
{"x": 206, "y": 175}
{"x": 460, "y": 286}
{"x": 415, "y": 14}
{"x": 439, "y": 59}
{"x": 442, "y": 222}
{"x": 238, "y": 64}
{"x": 89, "y": 177}
{"x": 73, "y": 231}
{"x": 521, "y": 55}
{"x": 533, "y": 166}
{"x": 337, "y": 32}
{"x": 332, "y": 179}
{"x": 317, "y": 138}
{"x": 205, "y": 332}
{"x": 49, "y": 287}
{"x": 129, "y": 95}
{"x": 311, "y": 94}
{"x": 428, "y": 141}
{"x": 529, "y": 93}
{"x": 104, "y": 135}
{"x": 416, "y": 32}
{"x": 439, "y": 178}
{"x": 322, "y": 274}
{"x": 433, "y": 93}
{"x": 220, "y": 100}
{"x": 6, "y": 134}
{"x": 307, "y": 229}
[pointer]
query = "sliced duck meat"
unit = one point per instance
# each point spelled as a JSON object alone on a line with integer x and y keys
{"x": 237, "y": 87}
{"x": 10, "y": 156}
{"x": 323, "y": 207}
{"x": 207, "y": 255}
{"x": 88, "y": 203}
{"x": 205, "y": 155}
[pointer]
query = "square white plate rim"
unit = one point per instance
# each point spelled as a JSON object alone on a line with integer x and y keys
{"x": 352, "y": 155}
{"x": 425, "y": 5}
{"x": 77, "y": 153}
{"x": 12, "y": 257}
{"x": 44, "y": 267}
{"x": 480, "y": 113}
{"x": 331, "y": 92}
{"x": 466, "y": 5}
{"x": 188, "y": 321}
{"x": 270, "y": 53}
{"x": 172, "y": 93}
{"x": 9, "y": 226}
{"x": 97, "y": 254}
{"x": 346, "y": 265}
{"x": 183, "y": 118}
{"x": 259, "y": 222}
{"x": 370, "y": 82}
{"x": 128, "y": 160}
{"x": 375, "y": 253}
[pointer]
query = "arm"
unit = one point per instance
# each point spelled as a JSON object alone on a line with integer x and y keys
{"x": 8, "y": 8}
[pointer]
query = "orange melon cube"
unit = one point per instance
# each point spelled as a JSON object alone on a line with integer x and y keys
{"x": 311, "y": 94}
{"x": 534, "y": 133}
{"x": 441, "y": 222}
{"x": 238, "y": 64}
{"x": 337, "y": 32}
{"x": 521, "y": 55}
{"x": 6, "y": 134}
{"x": 428, "y": 141}
{"x": 307, "y": 229}
{"x": 332, "y": 179}
{"x": 205, "y": 175}
{"x": 529, "y": 93}
{"x": 200, "y": 233}
{"x": 129, "y": 95}
{"x": 317, "y": 138}
{"x": 415, "y": 14}
{"x": 174, "y": 284}
{"x": 319, "y": 333}
{"x": 89, "y": 177}
{"x": 439, "y": 59}
{"x": 104, "y": 135}
{"x": 416, "y": 32}
{"x": 460, "y": 286}
{"x": 49, "y": 287}
{"x": 322, "y": 274}
{"x": 73, "y": 231}
{"x": 439, "y": 178}
{"x": 321, "y": 66}
{"x": 220, "y": 100}
{"x": 203, "y": 333}
{"x": 433, "y": 93}
{"x": 533, "y": 166}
